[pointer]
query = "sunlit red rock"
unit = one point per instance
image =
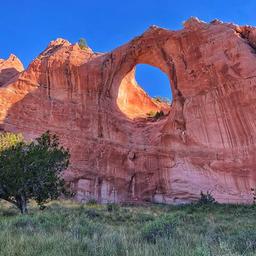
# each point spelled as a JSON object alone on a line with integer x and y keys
{"x": 206, "y": 143}
{"x": 9, "y": 69}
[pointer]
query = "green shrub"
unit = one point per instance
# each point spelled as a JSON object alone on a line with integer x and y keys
{"x": 155, "y": 114}
{"x": 112, "y": 207}
{"x": 91, "y": 201}
{"x": 92, "y": 213}
{"x": 31, "y": 170}
{"x": 206, "y": 198}
{"x": 254, "y": 194}
{"x": 82, "y": 44}
{"x": 159, "y": 114}
{"x": 158, "y": 228}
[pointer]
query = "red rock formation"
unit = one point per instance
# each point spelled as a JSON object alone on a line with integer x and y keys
{"x": 9, "y": 69}
{"x": 207, "y": 142}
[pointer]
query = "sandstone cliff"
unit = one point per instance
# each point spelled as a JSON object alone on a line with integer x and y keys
{"x": 9, "y": 69}
{"x": 206, "y": 143}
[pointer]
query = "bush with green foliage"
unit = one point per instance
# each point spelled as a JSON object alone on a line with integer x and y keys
{"x": 206, "y": 198}
{"x": 92, "y": 201}
{"x": 159, "y": 114}
{"x": 112, "y": 207}
{"x": 158, "y": 228}
{"x": 155, "y": 114}
{"x": 92, "y": 213}
{"x": 254, "y": 194}
{"x": 82, "y": 44}
{"x": 31, "y": 170}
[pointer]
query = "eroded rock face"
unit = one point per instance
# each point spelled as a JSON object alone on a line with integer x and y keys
{"x": 9, "y": 69}
{"x": 206, "y": 143}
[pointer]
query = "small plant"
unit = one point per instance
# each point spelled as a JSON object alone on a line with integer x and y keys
{"x": 254, "y": 194}
{"x": 158, "y": 228}
{"x": 159, "y": 114}
{"x": 82, "y": 44}
{"x": 206, "y": 198}
{"x": 92, "y": 213}
{"x": 155, "y": 114}
{"x": 112, "y": 207}
{"x": 91, "y": 201}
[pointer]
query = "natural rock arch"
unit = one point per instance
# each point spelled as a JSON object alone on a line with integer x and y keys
{"x": 207, "y": 142}
{"x": 135, "y": 103}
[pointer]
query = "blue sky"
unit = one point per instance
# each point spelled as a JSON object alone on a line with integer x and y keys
{"x": 27, "y": 26}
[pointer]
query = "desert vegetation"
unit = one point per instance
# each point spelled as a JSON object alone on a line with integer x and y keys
{"x": 155, "y": 115}
{"x": 82, "y": 43}
{"x": 31, "y": 170}
{"x": 68, "y": 228}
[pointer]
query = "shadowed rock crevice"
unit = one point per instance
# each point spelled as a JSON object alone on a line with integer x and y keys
{"x": 9, "y": 69}
{"x": 7, "y": 74}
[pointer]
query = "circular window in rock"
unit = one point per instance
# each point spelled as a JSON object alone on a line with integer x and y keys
{"x": 145, "y": 92}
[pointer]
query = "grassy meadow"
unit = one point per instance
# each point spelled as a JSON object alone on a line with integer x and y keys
{"x": 67, "y": 228}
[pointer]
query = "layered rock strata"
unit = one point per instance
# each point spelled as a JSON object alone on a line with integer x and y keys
{"x": 206, "y": 141}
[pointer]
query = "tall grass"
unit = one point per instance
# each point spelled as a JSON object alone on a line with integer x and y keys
{"x": 68, "y": 228}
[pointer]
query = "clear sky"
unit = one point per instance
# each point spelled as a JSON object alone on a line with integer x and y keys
{"x": 27, "y": 26}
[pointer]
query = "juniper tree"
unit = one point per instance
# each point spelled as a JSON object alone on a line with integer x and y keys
{"x": 82, "y": 43}
{"x": 31, "y": 170}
